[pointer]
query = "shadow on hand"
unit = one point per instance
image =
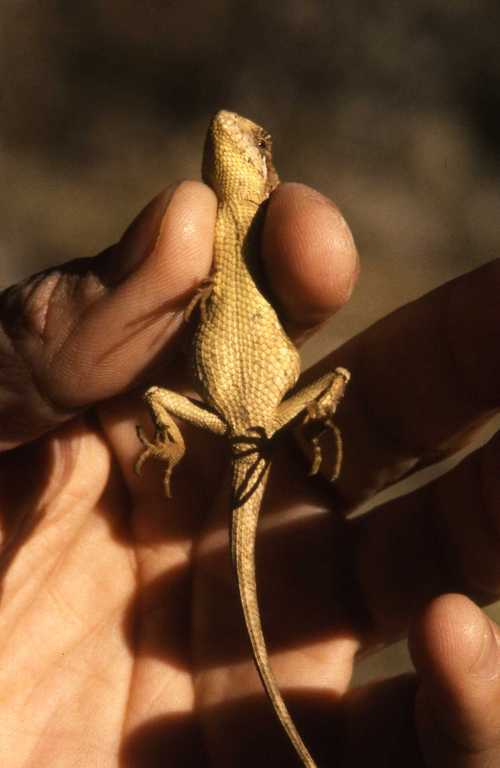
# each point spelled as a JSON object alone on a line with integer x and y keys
{"x": 306, "y": 594}
{"x": 243, "y": 733}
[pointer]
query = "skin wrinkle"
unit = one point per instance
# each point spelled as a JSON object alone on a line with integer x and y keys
{"x": 102, "y": 622}
{"x": 66, "y": 461}
{"x": 78, "y": 319}
{"x": 18, "y": 348}
{"x": 57, "y": 663}
{"x": 52, "y": 360}
{"x": 50, "y": 573}
{"x": 39, "y": 292}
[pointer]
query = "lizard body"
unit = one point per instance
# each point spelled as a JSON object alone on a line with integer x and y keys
{"x": 244, "y": 364}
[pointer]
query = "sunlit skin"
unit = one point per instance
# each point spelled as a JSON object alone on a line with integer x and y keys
{"x": 120, "y": 633}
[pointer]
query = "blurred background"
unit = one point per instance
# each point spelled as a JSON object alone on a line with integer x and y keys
{"x": 392, "y": 109}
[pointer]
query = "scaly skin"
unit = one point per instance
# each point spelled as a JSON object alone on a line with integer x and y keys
{"x": 244, "y": 364}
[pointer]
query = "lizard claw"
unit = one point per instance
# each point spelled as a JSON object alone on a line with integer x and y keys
{"x": 317, "y": 457}
{"x": 169, "y": 452}
{"x": 318, "y": 419}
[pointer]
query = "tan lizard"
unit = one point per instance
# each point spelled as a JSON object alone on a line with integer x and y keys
{"x": 244, "y": 364}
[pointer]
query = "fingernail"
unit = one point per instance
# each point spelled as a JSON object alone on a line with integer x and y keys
{"x": 486, "y": 665}
{"x": 140, "y": 238}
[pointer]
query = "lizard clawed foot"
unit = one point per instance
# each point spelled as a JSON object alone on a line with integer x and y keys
{"x": 161, "y": 448}
{"x": 168, "y": 444}
{"x": 323, "y": 427}
{"x": 319, "y": 417}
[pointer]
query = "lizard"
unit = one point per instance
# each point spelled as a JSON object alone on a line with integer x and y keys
{"x": 244, "y": 366}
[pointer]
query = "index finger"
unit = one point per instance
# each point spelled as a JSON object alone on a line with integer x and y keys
{"x": 423, "y": 379}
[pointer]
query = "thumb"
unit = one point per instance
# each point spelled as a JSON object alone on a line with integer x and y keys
{"x": 85, "y": 330}
{"x": 454, "y": 646}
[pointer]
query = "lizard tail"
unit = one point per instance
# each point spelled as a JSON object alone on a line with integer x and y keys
{"x": 249, "y": 481}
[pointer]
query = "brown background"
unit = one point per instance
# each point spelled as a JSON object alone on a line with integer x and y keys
{"x": 391, "y": 108}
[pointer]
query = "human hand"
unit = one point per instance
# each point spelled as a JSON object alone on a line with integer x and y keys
{"x": 121, "y": 636}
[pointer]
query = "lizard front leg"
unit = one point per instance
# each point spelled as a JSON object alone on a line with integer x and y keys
{"x": 320, "y": 400}
{"x": 201, "y": 296}
{"x": 168, "y": 444}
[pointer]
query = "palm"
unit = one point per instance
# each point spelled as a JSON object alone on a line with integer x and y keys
{"x": 66, "y": 655}
{"x": 103, "y": 643}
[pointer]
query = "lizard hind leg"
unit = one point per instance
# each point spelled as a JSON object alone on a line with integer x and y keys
{"x": 320, "y": 428}
{"x": 319, "y": 400}
{"x": 168, "y": 443}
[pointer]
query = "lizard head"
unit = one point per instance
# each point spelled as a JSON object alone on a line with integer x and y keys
{"x": 237, "y": 160}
